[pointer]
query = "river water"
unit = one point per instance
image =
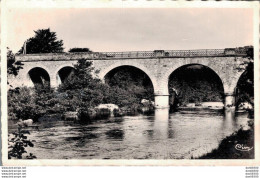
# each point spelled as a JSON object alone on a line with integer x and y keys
{"x": 181, "y": 135}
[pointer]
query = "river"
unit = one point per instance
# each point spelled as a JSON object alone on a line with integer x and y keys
{"x": 180, "y": 135}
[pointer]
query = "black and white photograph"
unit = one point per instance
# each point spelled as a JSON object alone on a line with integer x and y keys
{"x": 125, "y": 83}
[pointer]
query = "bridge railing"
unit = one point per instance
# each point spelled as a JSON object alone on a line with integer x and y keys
{"x": 135, "y": 54}
{"x": 174, "y": 53}
{"x": 132, "y": 54}
{"x": 195, "y": 53}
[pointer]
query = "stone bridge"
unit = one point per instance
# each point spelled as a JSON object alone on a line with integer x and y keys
{"x": 158, "y": 65}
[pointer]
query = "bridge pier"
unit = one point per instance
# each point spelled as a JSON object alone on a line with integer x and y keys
{"x": 229, "y": 100}
{"x": 161, "y": 101}
{"x": 53, "y": 81}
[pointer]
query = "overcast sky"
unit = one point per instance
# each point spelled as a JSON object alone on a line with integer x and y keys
{"x": 135, "y": 29}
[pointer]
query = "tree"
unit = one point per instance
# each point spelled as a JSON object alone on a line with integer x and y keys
{"x": 83, "y": 90}
{"x": 82, "y": 77}
{"x": 33, "y": 103}
{"x": 245, "y": 85}
{"x": 21, "y": 104}
{"x": 17, "y": 143}
{"x": 73, "y": 50}
{"x": 13, "y": 66}
{"x": 44, "y": 41}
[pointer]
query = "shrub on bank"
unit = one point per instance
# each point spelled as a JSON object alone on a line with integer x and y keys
{"x": 17, "y": 143}
{"x": 29, "y": 103}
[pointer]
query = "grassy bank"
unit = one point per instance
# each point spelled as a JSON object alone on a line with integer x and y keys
{"x": 239, "y": 145}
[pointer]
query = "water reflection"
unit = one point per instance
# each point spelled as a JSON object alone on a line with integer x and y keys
{"x": 161, "y": 123}
{"x": 229, "y": 114}
{"x": 115, "y": 134}
{"x": 229, "y": 120}
{"x": 179, "y": 135}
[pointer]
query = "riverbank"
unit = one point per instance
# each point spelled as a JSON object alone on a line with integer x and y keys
{"x": 239, "y": 145}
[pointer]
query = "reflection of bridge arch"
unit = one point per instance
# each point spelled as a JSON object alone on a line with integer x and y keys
{"x": 105, "y": 71}
{"x": 39, "y": 76}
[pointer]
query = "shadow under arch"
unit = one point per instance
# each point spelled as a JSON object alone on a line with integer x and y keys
{"x": 195, "y": 83}
{"x": 65, "y": 73}
{"x": 114, "y": 77}
{"x": 146, "y": 72}
{"x": 39, "y": 77}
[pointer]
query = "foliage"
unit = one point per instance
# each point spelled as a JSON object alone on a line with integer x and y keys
{"x": 81, "y": 92}
{"x": 73, "y": 50}
{"x": 47, "y": 101}
{"x": 33, "y": 103}
{"x": 86, "y": 91}
{"x": 131, "y": 81}
{"x": 82, "y": 77}
{"x": 17, "y": 142}
{"x": 13, "y": 66}
{"x": 21, "y": 104}
{"x": 245, "y": 86}
{"x": 44, "y": 41}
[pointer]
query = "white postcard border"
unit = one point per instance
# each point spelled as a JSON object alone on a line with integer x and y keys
{"x": 5, "y": 5}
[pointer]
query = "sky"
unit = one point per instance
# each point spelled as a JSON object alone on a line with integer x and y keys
{"x": 135, "y": 29}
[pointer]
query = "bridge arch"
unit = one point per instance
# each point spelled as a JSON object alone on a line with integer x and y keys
{"x": 62, "y": 66}
{"x": 105, "y": 71}
{"x": 212, "y": 67}
{"x": 243, "y": 87}
{"x": 38, "y": 77}
{"x": 236, "y": 79}
{"x": 185, "y": 80}
{"x": 162, "y": 98}
{"x": 63, "y": 73}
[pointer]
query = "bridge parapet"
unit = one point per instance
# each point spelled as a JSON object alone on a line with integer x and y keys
{"x": 132, "y": 54}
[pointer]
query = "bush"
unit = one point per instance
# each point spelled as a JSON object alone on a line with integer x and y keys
{"x": 17, "y": 142}
{"x": 82, "y": 92}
